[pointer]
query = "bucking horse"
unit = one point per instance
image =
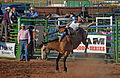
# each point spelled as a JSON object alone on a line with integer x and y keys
{"x": 66, "y": 45}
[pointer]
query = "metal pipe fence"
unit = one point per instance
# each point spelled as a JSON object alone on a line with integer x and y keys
{"x": 51, "y": 25}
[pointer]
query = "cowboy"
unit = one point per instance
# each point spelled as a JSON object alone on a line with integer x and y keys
{"x": 75, "y": 25}
{"x": 32, "y": 13}
{"x": 5, "y": 22}
{"x": 24, "y": 41}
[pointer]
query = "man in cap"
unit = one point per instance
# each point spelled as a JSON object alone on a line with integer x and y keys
{"x": 24, "y": 41}
{"x": 5, "y": 22}
{"x": 108, "y": 44}
{"x": 32, "y": 13}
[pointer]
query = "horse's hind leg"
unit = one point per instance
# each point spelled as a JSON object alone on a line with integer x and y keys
{"x": 64, "y": 60}
{"x": 86, "y": 46}
{"x": 57, "y": 60}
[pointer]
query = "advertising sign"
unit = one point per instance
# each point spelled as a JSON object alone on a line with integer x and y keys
{"x": 7, "y": 49}
{"x": 97, "y": 44}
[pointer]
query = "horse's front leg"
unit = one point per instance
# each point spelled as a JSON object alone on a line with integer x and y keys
{"x": 64, "y": 60}
{"x": 57, "y": 60}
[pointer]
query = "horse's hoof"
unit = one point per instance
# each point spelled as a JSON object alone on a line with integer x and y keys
{"x": 86, "y": 55}
{"x": 57, "y": 71}
{"x": 65, "y": 70}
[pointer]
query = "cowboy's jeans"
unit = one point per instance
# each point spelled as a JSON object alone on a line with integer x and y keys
{"x": 23, "y": 44}
{"x": 4, "y": 27}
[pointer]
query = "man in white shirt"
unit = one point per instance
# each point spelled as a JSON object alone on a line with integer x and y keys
{"x": 76, "y": 25}
{"x": 23, "y": 41}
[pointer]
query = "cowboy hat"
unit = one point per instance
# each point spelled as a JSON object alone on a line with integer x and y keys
{"x": 31, "y": 8}
{"x": 81, "y": 16}
{"x": 7, "y": 8}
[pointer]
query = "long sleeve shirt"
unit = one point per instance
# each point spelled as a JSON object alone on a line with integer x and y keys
{"x": 23, "y": 35}
{"x": 35, "y": 14}
{"x": 108, "y": 37}
{"x": 6, "y": 17}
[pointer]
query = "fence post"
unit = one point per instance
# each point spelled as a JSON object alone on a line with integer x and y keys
{"x": 117, "y": 61}
{"x": 18, "y": 51}
{"x": 113, "y": 29}
{"x": 19, "y": 22}
{"x": 46, "y": 29}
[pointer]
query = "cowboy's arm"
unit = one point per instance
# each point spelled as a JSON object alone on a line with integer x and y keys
{"x": 86, "y": 26}
{"x": 91, "y": 24}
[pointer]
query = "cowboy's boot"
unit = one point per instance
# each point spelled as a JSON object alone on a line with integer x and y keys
{"x": 59, "y": 38}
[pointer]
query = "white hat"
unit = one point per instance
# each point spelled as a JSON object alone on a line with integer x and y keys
{"x": 31, "y": 8}
{"x": 7, "y": 8}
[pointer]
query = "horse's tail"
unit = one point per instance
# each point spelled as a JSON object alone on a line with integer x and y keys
{"x": 43, "y": 52}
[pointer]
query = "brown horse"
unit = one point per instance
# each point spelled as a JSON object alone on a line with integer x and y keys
{"x": 66, "y": 46}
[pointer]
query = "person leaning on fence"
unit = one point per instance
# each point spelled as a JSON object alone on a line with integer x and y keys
{"x": 108, "y": 44}
{"x": 31, "y": 46}
{"x": 5, "y": 22}
{"x": 32, "y": 13}
{"x": 13, "y": 15}
{"x": 23, "y": 41}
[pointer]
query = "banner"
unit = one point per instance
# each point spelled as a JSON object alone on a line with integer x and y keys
{"x": 97, "y": 44}
{"x": 7, "y": 49}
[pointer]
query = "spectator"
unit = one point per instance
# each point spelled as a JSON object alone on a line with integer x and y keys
{"x": 108, "y": 44}
{"x": 5, "y": 22}
{"x": 13, "y": 15}
{"x": 32, "y": 13}
{"x": 24, "y": 41}
{"x": 31, "y": 46}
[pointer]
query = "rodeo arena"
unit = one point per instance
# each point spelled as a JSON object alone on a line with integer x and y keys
{"x": 60, "y": 39}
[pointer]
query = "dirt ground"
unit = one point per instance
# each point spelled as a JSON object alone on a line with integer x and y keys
{"x": 46, "y": 69}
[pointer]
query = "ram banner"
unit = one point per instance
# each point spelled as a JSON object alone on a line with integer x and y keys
{"x": 97, "y": 44}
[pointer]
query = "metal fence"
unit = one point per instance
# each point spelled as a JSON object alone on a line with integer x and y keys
{"x": 50, "y": 25}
